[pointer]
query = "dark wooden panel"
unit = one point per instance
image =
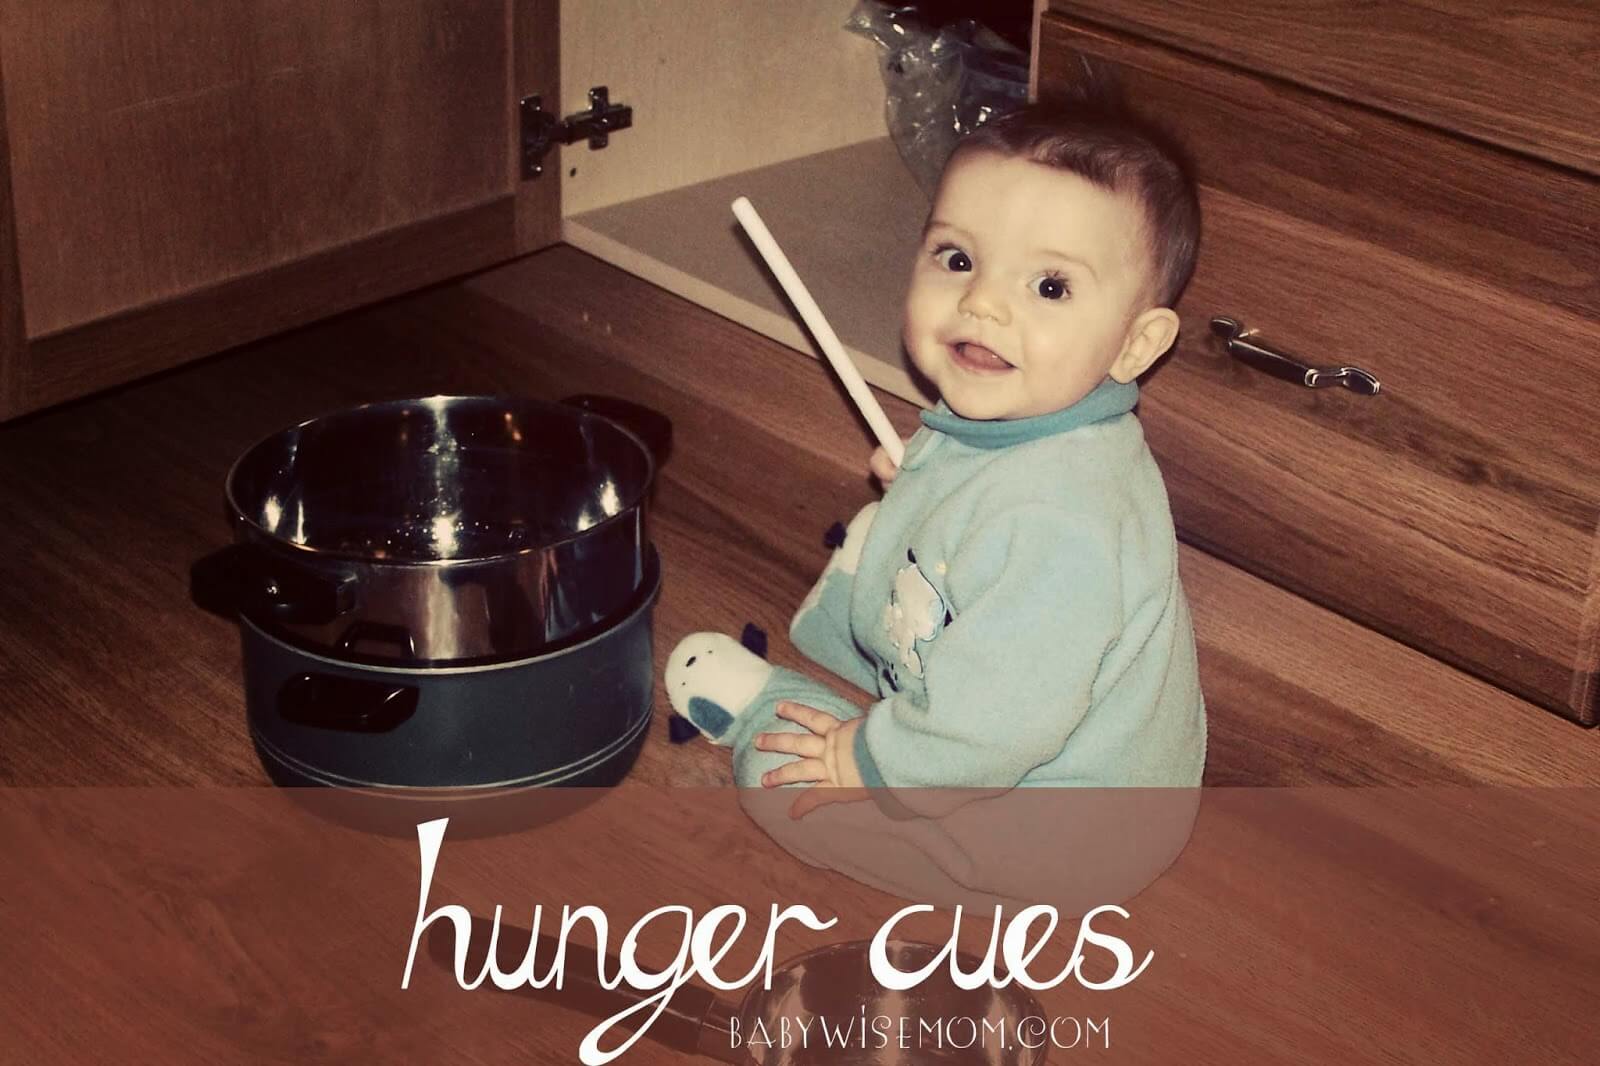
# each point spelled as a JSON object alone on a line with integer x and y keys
{"x": 1457, "y": 510}
{"x": 163, "y": 147}
{"x": 1521, "y": 76}
{"x": 71, "y": 364}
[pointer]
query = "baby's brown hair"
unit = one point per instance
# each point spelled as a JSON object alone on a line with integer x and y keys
{"x": 1096, "y": 136}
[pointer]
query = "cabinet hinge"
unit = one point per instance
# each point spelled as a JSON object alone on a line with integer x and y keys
{"x": 541, "y": 130}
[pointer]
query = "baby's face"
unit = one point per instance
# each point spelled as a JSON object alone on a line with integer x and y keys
{"x": 1026, "y": 287}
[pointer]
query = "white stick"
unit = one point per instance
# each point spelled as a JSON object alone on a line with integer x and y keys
{"x": 827, "y": 340}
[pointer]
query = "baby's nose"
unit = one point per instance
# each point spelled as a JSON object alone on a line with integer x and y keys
{"x": 983, "y": 300}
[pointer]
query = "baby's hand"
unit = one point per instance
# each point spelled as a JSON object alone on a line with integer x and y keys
{"x": 882, "y": 466}
{"x": 826, "y": 756}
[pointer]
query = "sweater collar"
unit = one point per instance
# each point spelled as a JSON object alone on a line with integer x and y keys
{"x": 1106, "y": 400}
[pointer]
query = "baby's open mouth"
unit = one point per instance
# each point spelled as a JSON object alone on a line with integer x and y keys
{"x": 978, "y": 358}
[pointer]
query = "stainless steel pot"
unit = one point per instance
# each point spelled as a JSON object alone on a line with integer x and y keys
{"x": 446, "y": 530}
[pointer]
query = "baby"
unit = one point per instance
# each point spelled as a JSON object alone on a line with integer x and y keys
{"x": 1014, "y": 598}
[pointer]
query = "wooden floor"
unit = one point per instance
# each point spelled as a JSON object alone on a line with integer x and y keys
{"x": 1301, "y": 925}
{"x": 110, "y": 675}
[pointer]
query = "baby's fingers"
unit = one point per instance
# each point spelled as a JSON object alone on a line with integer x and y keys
{"x": 792, "y": 772}
{"x": 819, "y": 722}
{"x": 806, "y": 744}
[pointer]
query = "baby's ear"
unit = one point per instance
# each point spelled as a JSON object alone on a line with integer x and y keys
{"x": 1151, "y": 334}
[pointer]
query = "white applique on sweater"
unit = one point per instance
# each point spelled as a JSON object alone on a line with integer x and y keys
{"x": 915, "y": 612}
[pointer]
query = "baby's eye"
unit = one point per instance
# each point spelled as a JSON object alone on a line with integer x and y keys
{"x": 1050, "y": 286}
{"x": 952, "y": 258}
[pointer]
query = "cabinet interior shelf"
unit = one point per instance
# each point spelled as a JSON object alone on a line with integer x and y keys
{"x": 849, "y": 220}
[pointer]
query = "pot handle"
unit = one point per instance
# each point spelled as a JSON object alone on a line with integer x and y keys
{"x": 349, "y": 704}
{"x": 680, "y": 1022}
{"x": 245, "y": 579}
{"x": 362, "y": 631}
{"x": 648, "y": 424}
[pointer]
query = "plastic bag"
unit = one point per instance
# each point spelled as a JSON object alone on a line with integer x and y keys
{"x": 941, "y": 83}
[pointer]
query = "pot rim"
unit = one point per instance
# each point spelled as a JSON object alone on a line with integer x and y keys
{"x": 267, "y": 538}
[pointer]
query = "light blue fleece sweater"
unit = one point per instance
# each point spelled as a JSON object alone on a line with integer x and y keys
{"x": 1017, "y": 609}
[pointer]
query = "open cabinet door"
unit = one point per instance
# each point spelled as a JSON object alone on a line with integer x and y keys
{"x": 187, "y": 175}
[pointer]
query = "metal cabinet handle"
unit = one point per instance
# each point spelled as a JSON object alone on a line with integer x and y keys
{"x": 1236, "y": 339}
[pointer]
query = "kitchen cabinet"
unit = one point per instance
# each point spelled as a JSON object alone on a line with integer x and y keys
{"x": 1359, "y": 213}
{"x": 181, "y": 177}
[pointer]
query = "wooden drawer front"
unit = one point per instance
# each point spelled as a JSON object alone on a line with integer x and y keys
{"x": 1457, "y": 510}
{"x": 1522, "y": 75}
